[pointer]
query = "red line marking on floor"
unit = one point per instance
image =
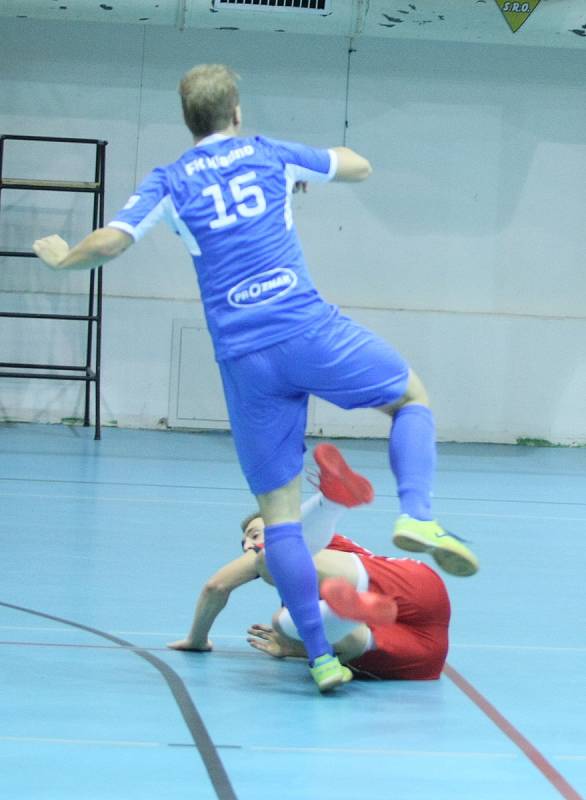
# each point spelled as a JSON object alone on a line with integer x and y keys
{"x": 547, "y": 770}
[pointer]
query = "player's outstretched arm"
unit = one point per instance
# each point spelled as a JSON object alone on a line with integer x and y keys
{"x": 213, "y": 599}
{"x": 99, "y": 247}
{"x": 351, "y": 166}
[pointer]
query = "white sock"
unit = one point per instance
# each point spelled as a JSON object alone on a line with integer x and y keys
{"x": 335, "y": 627}
{"x": 319, "y": 516}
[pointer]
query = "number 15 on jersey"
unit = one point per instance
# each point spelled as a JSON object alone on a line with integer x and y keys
{"x": 249, "y": 198}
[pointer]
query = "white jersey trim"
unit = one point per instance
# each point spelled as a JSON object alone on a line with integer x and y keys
{"x": 166, "y": 211}
{"x": 159, "y": 212}
{"x": 178, "y": 226}
{"x": 123, "y": 226}
{"x": 294, "y": 173}
{"x": 333, "y": 164}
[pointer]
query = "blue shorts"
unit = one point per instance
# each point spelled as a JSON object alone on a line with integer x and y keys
{"x": 267, "y": 392}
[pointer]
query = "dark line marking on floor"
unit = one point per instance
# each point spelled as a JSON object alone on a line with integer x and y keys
{"x": 547, "y": 770}
{"x": 562, "y": 649}
{"x": 73, "y": 482}
{"x": 380, "y": 494}
{"x": 118, "y": 648}
{"x": 193, "y": 720}
{"x": 80, "y": 646}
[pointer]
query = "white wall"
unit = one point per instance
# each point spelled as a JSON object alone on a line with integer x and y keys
{"x": 465, "y": 248}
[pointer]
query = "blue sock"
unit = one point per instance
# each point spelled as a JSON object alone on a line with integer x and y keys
{"x": 293, "y": 571}
{"x": 412, "y": 455}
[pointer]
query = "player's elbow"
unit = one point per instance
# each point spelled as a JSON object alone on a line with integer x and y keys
{"x": 359, "y": 168}
{"x": 351, "y": 166}
{"x": 364, "y": 170}
{"x": 110, "y": 242}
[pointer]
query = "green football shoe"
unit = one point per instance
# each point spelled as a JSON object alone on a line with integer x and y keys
{"x": 448, "y": 550}
{"x": 328, "y": 673}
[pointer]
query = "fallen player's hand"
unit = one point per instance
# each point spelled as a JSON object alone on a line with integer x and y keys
{"x": 52, "y": 250}
{"x": 265, "y": 639}
{"x": 185, "y": 644}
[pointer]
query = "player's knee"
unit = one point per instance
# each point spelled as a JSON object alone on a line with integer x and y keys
{"x": 284, "y": 625}
{"x": 276, "y": 621}
{"x": 416, "y": 391}
{"x": 415, "y": 394}
{"x": 282, "y": 504}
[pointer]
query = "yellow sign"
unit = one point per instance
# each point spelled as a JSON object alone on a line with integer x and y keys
{"x": 516, "y": 13}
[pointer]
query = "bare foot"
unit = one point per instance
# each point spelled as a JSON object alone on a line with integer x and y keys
{"x": 185, "y": 644}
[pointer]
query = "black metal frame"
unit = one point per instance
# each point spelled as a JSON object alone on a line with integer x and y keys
{"x": 90, "y": 374}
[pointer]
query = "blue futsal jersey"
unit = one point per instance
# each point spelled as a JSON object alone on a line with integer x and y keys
{"x": 229, "y": 198}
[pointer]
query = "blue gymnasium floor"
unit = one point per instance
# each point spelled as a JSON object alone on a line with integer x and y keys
{"x": 112, "y": 540}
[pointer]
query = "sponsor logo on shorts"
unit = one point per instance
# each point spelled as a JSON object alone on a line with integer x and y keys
{"x": 265, "y": 287}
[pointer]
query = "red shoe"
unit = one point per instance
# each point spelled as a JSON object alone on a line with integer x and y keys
{"x": 368, "y": 607}
{"x": 337, "y": 482}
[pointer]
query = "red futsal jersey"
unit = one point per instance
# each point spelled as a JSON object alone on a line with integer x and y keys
{"x": 416, "y": 645}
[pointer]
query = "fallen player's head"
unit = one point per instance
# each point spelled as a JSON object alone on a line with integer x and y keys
{"x": 253, "y": 532}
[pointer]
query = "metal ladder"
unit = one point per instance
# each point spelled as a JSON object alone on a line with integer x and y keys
{"x": 89, "y": 372}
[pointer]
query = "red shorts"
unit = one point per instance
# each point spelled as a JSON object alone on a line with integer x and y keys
{"x": 416, "y": 645}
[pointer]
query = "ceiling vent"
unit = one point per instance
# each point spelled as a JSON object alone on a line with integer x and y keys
{"x": 309, "y": 6}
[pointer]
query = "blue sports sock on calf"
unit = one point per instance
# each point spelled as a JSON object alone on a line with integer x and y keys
{"x": 412, "y": 454}
{"x": 293, "y": 571}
